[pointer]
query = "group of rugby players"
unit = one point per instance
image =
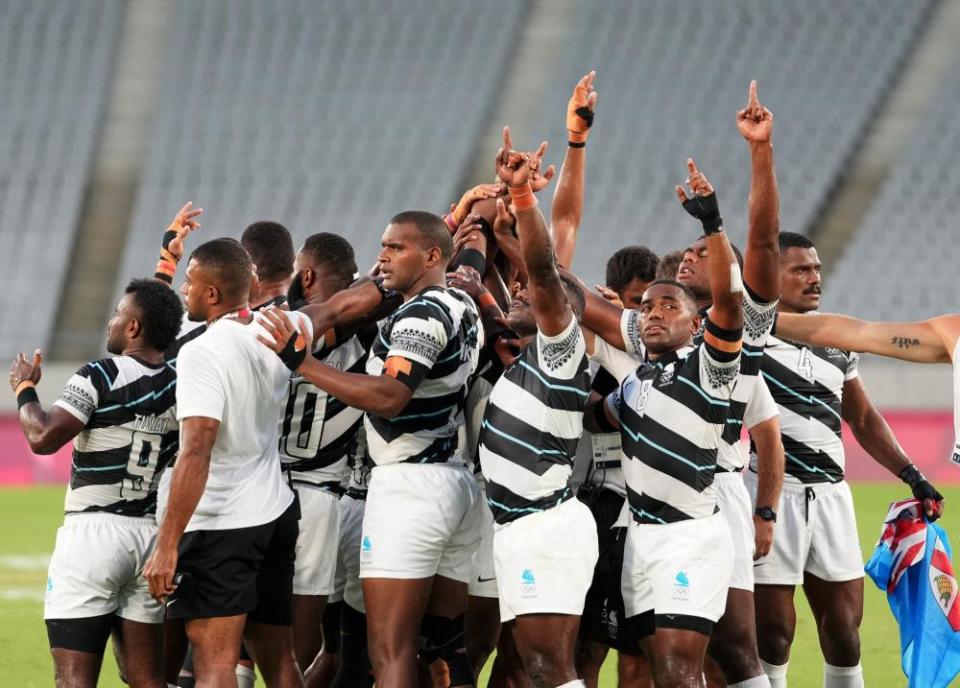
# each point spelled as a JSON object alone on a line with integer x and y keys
{"x": 348, "y": 481}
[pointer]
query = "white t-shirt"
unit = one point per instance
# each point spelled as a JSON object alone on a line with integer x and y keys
{"x": 228, "y": 375}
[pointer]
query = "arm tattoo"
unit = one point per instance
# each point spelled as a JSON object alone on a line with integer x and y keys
{"x": 905, "y": 342}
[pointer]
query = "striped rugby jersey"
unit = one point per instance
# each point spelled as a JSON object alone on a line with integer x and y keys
{"x": 751, "y": 403}
{"x": 130, "y": 435}
{"x": 431, "y": 343}
{"x": 532, "y": 425}
{"x": 807, "y": 384}
{"x": 672, "y": 414}
{"x": 318, "y": 432}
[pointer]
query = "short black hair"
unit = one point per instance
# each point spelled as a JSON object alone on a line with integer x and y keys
{"x": 433, "y": 230}
{"x": 161, "y": 312}
{"x": 575, "y": 296}
{"x": 334, "y": 253}
{"x": 229, "y": 264}
{"x": 271, "y": 249}
{"x": 630, "y": 263}
{"x": 687, "y": 292}
{"x": 794, "y": 240}
{"x": 669, "y": 265}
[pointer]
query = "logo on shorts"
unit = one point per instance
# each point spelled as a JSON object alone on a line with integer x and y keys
{"x": 49, "y": 584}
{"x": 366, "y": 548}
{"x": 608, "y": 617}
{"x": 681, "y": 586}
{"x": 528, "y": 583}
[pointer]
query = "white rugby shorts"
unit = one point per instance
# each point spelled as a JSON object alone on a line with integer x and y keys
{"x": 347, "y": 580}
{"x": 421, "y": 520}
{"x": 317, "y": 542}
{"x": 681, "y": 568}
{"x": 484, "y": 580}
{"x": 737, "y": 508}
{"x": 97, "y": 569}
{"x": 816, "y": 532}
{"x": 544, "y": 561}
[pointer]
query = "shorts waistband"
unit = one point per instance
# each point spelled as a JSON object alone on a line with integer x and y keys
{"x": 331, "y": 486}
{"x": 107, "y": 517}
{"x": 722, "y": 471}
{"x": 815, "y": 489}
{"x": 357, "y": 494}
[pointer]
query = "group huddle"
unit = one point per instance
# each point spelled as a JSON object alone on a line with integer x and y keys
{"x": 383, "y": 480}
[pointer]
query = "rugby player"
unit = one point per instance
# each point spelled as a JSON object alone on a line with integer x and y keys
{"x": 224, "y": 556}
{"x": 815, "y": 387}
{"x": 416, "y": 554}
{"x": 120, "y": 413}
{"x": 671, "y": 413}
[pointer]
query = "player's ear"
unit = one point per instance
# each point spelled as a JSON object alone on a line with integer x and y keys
{"x": 434, "y": 256}
{"x": 696, "y": 323}
{"x": 134, "y": 328}
{"x": 308, "y": 277}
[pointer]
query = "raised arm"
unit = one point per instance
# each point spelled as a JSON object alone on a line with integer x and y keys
{"x": 761, "y": 269}
{"x": 568, "y": 197}
{"x": 171, "y": 245}
{"x": 726, "y": 285}
{"x": 547, "y": 298}
{"x": 926, "y": 341}
{"x": 45, "y": 431}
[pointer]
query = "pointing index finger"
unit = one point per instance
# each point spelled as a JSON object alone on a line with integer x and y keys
{"x": 691, "y": 167}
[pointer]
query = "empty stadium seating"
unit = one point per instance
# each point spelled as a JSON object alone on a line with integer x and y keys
{"x": 902, "y": 261}
{"x": 325, "y": 116}
{"x": 55, "y": 64}
{"x": 671, "y": 76}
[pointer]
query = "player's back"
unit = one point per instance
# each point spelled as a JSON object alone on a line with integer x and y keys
{"x": 130, "y": 434}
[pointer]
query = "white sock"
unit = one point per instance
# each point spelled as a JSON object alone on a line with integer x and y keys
{"x": 777, "y": 673}
{"x": 578, "y": 683}
{"x": 761, "y": 681}
{"x": 842, "y": 677}
{"x": 246, "y": 677}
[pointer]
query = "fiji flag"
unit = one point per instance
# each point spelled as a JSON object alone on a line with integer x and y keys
{"x": 912, "y": 563}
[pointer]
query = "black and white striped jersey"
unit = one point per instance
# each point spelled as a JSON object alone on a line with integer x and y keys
{"x": 130, "y": 435}
{"x": 807, "y": 384}
{"x": 431, "y": 344}
{"x": 532, "y": 425}
{"x": 672, "y": 414}
{"x": 606, "y": 454}
{"x": 751, "y": 403}
{"x": 318, "y": 432}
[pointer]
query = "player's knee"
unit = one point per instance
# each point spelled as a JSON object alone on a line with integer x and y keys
{"x": 539, "y": 669}
{"x": 736, "y": 656}
{"x": 841, "y": 644}
{"x": 677, "y": 670}
{"x": 774, "y": 638}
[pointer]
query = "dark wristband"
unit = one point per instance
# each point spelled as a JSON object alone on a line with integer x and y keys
{"x": 294, "y": 353}
{"x": 27, "y": 396}
{"x": 911, "y": 475}
{"x": 707, "y": 210}
{"x": 384, "y": 293}
{"x": 168, "y": 236}
{"x": 577, "y": 144}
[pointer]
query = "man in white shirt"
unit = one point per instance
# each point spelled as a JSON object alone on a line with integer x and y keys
{"x": 224, "y": 557}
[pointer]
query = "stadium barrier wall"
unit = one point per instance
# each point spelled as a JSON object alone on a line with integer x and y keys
{"x": 927, "y": 437}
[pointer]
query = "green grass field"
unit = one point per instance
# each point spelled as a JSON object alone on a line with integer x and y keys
{"x": 31, "y": 517}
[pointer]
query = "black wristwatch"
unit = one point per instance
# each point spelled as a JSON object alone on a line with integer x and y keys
{"x": 766, "y": 513}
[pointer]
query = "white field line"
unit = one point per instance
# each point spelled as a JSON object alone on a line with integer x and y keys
{"x": 25, "y": 562}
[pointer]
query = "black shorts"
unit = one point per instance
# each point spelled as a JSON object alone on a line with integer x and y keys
{"x": 239, "y": 571}
{"x": 604, "y": 618}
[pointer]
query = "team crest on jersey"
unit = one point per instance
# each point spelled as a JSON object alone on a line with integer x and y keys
{"x": 667, "y": 377}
